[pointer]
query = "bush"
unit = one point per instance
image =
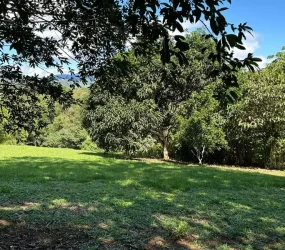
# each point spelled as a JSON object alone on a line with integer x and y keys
{"x": 7, "y": 138}
{"x": 66, "y": 130}
{"x": 89, "y": 145}
{"x": 66, "y": 138}
{"x": 277, "y": 155}
{"x": 154, "y": 151}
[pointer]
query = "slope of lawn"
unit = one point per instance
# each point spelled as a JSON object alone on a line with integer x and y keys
{"x": 67, "y": 199}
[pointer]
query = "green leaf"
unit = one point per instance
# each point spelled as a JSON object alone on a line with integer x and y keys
{"x": 222, "y": 9}
{"x": 256, "y": 59}
{"x": 197, "y": 13}
{"x": 214, "y": 26}
{"x": 241, "y": 47}
{"x": 232, "y": 39}
{"x": 179, "y": 26}
{"x": 179, "y": 37}
{"x": 183, "y": 46}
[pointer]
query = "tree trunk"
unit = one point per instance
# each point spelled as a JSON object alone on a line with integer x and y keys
{"x": 165, "y": 149}
{"x": 199, "y": 154}
{"x": 163, "y": 139}
{"x": 202, "y": 155}
{"x": 35, "y": 141}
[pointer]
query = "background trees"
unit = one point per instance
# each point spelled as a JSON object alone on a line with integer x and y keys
{"x": 46, "y": 123}
{"x": 66, "y": 130}
{"x": 144, "y": 78}
{"x": 182, "y": 113}
{"x": 64, "y": 35}
{"x": 135, "y": 98}
{"x": 256, "y": 122}
{"x": 200, "y": 125}
{"x": 82, "y": 37}
{"x": 28, "y": 115}
{"x": 142, "y": 107}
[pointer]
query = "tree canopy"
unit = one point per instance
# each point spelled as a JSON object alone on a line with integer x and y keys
{"x": 127, "y": 106}
{"x": 200, "y": 125}
{"x": 255, "y": 123}
{"x": 79, "y": 36}
{"x": 89, "y": 32}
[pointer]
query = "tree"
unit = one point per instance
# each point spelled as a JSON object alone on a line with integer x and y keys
{"x": 27, "y": 117}
{"x": 66, "y": 130}
{"x": 29, "y": 107}
{"x": 89, "y": 33}
{"x": 135, "y": 98}
{"x": 120, "y": 125}
{"x": 256, "y": 122}
{"x": 200, "y": 126}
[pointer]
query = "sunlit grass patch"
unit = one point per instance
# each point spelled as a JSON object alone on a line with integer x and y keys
{"x": 92, "y": 201}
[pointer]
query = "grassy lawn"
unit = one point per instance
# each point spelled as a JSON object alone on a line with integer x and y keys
{"x": 67, "y": 199}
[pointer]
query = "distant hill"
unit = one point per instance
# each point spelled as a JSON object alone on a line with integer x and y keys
{"x": 66, "y": 80}
{"x": 67, "y": 77}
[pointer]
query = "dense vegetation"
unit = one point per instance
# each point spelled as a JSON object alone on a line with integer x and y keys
{"x": 141, "y": 107}
{"x": 55, "y": 125}
{"x": 129, "y": 86}
{"x": 89, "y": 33}
{"x": 145, "y": 79}
{"x": 131, "y": 107}
{"x": 81, "y": 200}
{"x": 155, "y": 110}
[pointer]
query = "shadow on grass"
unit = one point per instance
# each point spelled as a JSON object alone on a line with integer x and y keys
{"x": 132, "y": 158}
{"x": 104, "y": 154}
{"x": 107, "y": 203}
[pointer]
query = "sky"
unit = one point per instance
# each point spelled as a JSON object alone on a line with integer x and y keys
{"x": 267, "y": 18}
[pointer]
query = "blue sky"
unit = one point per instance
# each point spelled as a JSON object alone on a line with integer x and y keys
{"x": 267, "y": 18}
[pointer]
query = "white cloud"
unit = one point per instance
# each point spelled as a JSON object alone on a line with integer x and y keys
{"x": 251, "y": 44}
{"x": 130, "y": 41}
{"x": 50, "y": 33}
{"x": 42, "y": 71}
{"x": 55, "y": 34}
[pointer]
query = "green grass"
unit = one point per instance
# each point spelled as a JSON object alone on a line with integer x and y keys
{"x": 67, "y": 199}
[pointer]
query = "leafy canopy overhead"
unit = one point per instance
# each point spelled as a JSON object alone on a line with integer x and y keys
{"x": 89, "y": 32}
{"x": 50, "y": 34}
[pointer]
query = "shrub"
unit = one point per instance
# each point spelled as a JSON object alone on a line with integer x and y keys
{"x": 66, "y": 138}
{"x": 154, "y": 151}
{"x": 6, "y": 138}
{"x": 277, "y": 155}
{"x": 89, "y": 145}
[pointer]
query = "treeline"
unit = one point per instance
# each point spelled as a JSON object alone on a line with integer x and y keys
{"x": 143, "y": 108}
{"x": 46, "y": 123}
